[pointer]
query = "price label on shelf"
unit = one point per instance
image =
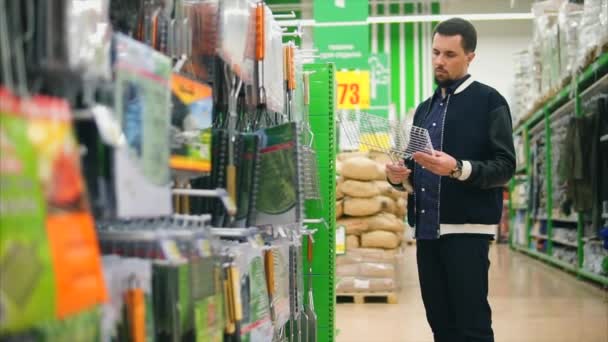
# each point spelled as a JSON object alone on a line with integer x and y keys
{"x": 353, "y": 89}
{"x": 340, "y": 240}
{"x": 171, "y": 251}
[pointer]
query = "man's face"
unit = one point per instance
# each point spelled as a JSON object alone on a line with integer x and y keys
{"x": 450, "y": 61}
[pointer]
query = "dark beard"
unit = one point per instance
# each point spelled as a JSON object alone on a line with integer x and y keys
{"x": 445, "y": 83}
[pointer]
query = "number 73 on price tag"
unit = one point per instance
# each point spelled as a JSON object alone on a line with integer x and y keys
{"x": 353, "y": 89}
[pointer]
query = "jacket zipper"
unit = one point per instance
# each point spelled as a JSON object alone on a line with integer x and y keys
{"x": 414, "y": 172}
{"x": 445, "y": 114}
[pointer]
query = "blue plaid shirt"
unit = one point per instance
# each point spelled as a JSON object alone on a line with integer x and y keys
{"x": 427, "y": 187}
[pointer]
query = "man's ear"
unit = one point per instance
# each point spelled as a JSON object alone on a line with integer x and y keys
{"x": 470, "y": 57}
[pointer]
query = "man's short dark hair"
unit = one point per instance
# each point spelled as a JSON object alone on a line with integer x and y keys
{"x": 459, "y": 26}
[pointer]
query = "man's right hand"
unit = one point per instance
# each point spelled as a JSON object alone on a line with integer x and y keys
{"x": 397, "y": 172}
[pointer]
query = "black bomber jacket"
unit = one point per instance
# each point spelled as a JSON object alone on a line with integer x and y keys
{"x": 478, "y": 131}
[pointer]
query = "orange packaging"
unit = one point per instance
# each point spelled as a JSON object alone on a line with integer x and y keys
{"x": 69, "y": 225}
{"x": 77, "y": 261}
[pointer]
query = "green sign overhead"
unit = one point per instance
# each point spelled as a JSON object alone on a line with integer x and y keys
{"x": 346, "y": 46}
{"x": 340, "y": 10}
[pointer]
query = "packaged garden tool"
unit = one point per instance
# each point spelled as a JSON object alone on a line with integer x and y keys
{"x": 203, "y": 17}
{"x": 191, "y": 121}
{"x": 295, "y": 319}
{"x": 141, "y": 105}
{"x": 208, "y": 308}
{"x": 89, "y": 37}
{"x": 128, "y": 312}
{"x": 232, "y": 303}
{"x": 22, "y": 218}
{"x": 281, "y": 278}
{"x": 247, "y": 176}
{"x": 278, "y": 200}
{"x": 45, "y": 209}
{"x": 256, "y": 323}
{"x": 237, "y": 37}
{"x": 270, "y": 284}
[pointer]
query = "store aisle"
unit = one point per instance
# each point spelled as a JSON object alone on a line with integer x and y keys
{"x": 532, "y": 302}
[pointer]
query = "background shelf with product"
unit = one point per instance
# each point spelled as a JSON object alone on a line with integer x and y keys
{"x": 165, "y": 167}
{"x": 558, "y": 202}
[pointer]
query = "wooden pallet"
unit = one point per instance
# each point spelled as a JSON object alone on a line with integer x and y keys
{"x": 370, "y": 297}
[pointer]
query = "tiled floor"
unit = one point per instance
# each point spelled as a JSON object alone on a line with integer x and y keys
{"x": 531, "y": 302}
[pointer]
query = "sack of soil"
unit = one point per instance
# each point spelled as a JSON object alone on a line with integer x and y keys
{"x": 358, "y": 284}
{"x": 380, "y": 239}
{"x": 386, "y": 221}
{"x": 339, "y": 209}
{"x": 353, "y": 225}
{"x": 359, "y": 168}
{"x": 349, "y": 155}
{"x": 352, "y": 242}
{"x": 362, "y": 206}
{"x": 354, "y": 188}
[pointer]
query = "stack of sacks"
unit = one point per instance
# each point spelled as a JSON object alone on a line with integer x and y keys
{"x": 368, "y": 270}
{"x": 373, "y": 214}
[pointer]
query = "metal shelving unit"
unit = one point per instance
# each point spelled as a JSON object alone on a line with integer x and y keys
{"x": 322, "y": 122}
{"x": 564, "y": 242}
{"x": 593, "y": 80}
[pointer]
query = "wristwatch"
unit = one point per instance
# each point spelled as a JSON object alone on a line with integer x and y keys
{"x": 457, "y": 171}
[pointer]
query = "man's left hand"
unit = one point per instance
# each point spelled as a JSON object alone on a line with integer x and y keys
{"x": 441, "y": 164}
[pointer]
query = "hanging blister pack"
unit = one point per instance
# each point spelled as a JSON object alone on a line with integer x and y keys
{"x": 129, "y": 284}
{"x": 280, "y": 304}
{"x": 203, "y": 18}
{"x": 191, "y": 120}
{"x": 279, "y": 197}
{"x": 273, "y": 75}
{"x": 45, "y": 216}
{"x": 142, "y": 101}
{"x": 256, "y": 324}
{"x": 247, "y": 175}
{"x": 237, "y": 37}
{"x": 89, "y": 37}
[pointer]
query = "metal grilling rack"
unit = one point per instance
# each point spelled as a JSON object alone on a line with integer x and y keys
{"x": 396, "y": 138}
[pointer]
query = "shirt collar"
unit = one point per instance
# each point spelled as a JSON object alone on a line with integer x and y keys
{"x": 452, "y": 88}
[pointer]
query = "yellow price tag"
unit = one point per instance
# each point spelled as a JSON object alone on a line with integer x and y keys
{"x": 353, "y": 89}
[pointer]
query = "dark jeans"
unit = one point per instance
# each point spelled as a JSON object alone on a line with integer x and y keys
{"x": 453, "y": 273}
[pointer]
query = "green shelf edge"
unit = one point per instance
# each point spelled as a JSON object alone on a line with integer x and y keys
{"x": 548, "y": 259}
{"x": 564, "y": 265}
{"x": 592, "y": 276}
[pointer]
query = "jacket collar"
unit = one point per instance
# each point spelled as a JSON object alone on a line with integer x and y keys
{"x": 464, "y": 85}
{"x": 457, "y": 87}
